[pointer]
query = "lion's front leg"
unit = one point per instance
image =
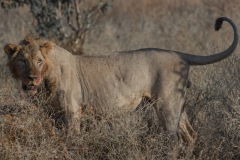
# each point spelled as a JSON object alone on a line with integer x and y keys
{"x": 73, "y": 114}
{"x": 65, "y": 103}
{"x": 73, "y": 120}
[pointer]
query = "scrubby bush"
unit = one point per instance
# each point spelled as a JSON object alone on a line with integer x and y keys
{"x": 64, "y": 20}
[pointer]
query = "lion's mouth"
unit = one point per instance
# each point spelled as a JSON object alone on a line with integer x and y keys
{"x": 30, "y": 88}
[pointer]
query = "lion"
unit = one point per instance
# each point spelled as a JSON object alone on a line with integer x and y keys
{"x": 122, "y": 80}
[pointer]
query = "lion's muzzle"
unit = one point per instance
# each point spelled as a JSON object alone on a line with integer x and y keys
{"x": 31, "y": 84}
{"x": 32, "y": 77}
{"x": 35, "y": 79}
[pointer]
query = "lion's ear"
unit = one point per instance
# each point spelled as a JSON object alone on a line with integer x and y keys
{"x": 46, "y": 47}
{"x": 10, "y": 49}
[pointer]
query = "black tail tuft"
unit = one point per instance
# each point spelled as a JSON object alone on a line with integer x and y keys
{"x": 218, "y": 23}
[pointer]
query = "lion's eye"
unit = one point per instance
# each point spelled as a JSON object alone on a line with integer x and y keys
{"x": 39, "y": 62}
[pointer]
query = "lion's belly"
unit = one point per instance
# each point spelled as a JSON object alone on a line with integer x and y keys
{"x": 127, "y": 103}
{"x": 115, "y": 99}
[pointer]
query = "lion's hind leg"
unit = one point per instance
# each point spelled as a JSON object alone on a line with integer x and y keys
{"x": 169, "y": 106}
{"x": 187, "y": 135}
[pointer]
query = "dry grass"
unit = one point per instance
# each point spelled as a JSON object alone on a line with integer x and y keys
{"x": 213, "y": 103}
{"x": 27, "y": 132}
{"x": 215, "y": 112}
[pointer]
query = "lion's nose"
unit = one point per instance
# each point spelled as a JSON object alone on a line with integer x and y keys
{"x": 32, "y": 77}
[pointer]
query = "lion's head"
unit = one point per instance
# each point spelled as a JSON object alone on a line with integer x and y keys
{"x": 29, "y": 62}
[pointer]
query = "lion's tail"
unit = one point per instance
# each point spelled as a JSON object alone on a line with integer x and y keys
{"x": 202, "y": 60}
